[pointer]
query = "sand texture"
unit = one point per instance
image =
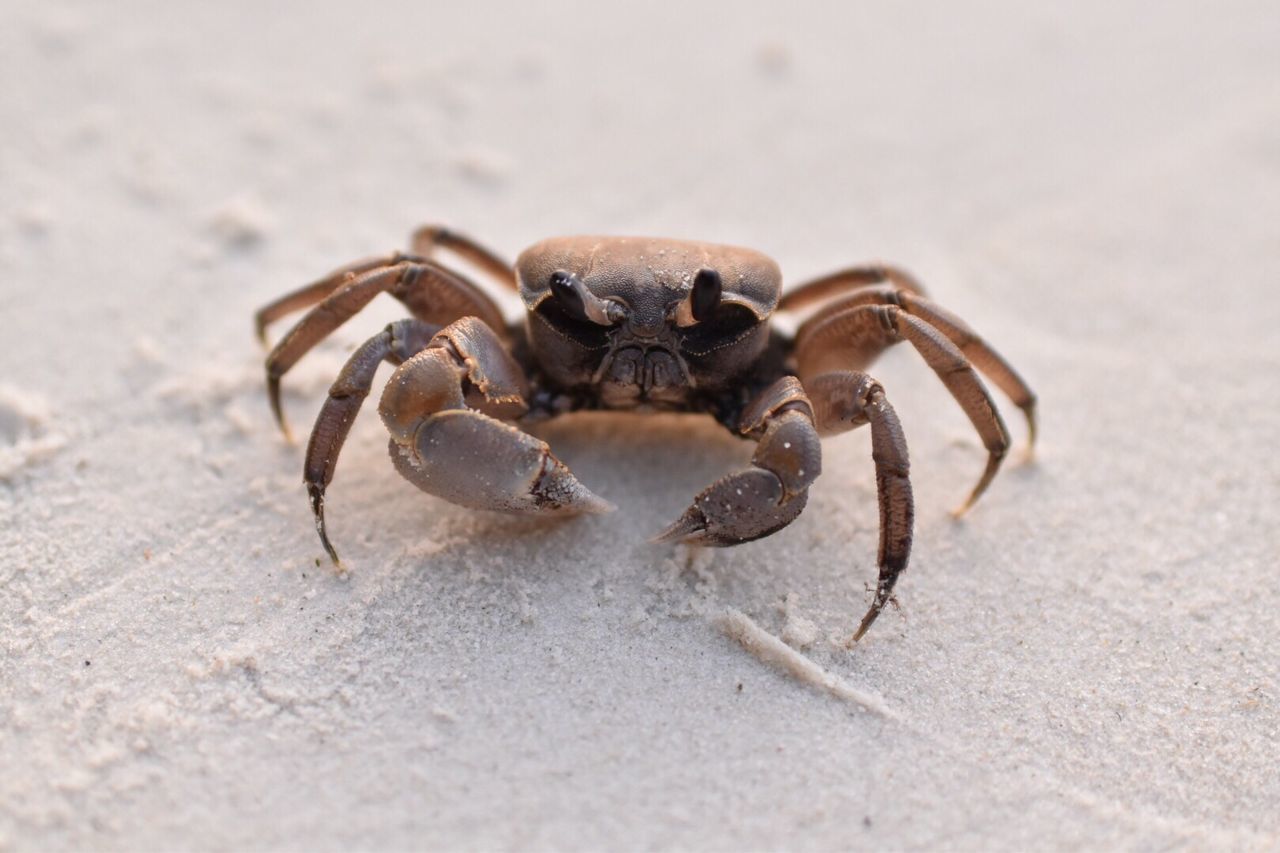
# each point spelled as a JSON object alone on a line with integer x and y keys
{"x": 1090, "y": 658}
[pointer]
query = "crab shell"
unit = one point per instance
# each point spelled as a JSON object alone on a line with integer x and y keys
{"x": 650, "y": 278}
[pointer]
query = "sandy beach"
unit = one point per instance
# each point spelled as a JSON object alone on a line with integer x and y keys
{"x": 1087, "y": 660}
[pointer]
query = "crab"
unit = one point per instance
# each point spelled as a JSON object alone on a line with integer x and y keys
{"x": 637, "y": 324}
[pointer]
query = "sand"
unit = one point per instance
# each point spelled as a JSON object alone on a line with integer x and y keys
{"x": 1088, "y": 659}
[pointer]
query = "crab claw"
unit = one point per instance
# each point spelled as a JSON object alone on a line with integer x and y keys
{"x": 738, "y": 508}
{"x": 477, "y": 461}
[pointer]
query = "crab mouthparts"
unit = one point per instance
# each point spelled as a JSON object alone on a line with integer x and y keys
{"x": 643, "y": 371}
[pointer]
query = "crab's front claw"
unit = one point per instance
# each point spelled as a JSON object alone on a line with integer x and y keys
{"x": 769, "y": 495}
{"x": 476, "y": 461}
{"x": 738, "y": 508}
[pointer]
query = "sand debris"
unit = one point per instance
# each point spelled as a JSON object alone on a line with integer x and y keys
{"x": 26, "y": 434}
{"x": 771, "y": 650}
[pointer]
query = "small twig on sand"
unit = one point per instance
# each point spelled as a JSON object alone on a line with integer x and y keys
{"x": 771, "y": 650}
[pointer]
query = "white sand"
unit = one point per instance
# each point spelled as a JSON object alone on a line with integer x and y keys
{"x": 1089, "y": 659}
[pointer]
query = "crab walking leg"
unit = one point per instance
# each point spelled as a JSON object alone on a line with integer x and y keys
{"x": 425, "y": 241}
{"x": 308, "y": 295}
{"x": 428, "y": 238}
{"x": 768, "y": 496}
{"x": 445, "y": 409}
{"x": 395, "y": 344}
{"x": 431, "y": 292}
{"x": 979, "y": 353}
{"x": 844, "y": 281}
{"x": 845, "y": 400}
{"x": 854, "y": 336}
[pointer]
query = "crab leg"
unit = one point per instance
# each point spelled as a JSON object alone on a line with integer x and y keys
{"x": 425, "y": 241}
{"x": 854, "y": 335}
{"x": 396, "y": 343}
{"x": 445, "y": 407}
{"x": 844, "y": 400}
{"x": 432, "y": 293}
{"x": 980, "y": 354}
{"x": 308, "y": 295}
{"x": 854, "y": 278}
{"x": 865, "y": 288}
{"x": 769, "y": 495}
{"x": 428, "y": 238}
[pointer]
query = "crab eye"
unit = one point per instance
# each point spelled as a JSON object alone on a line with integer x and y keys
{"x": 727, "y": 324}
{"x": 703, "y": 299}
{"x": 567, "y": 295}
{"x": 580, "y": 303}
{"x": 705, "y": 295}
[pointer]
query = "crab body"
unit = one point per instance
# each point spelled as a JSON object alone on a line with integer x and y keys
{"x": 637, "y": 324}
{"x": 646, "y": 349}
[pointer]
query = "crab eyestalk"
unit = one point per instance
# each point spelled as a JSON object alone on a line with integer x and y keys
{"x": 569, "y": 290}
{"x": 703, "y": 298}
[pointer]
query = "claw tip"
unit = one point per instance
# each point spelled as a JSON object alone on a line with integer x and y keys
{"x": 596, "y": 505}
{"x": 273, "y": 396}
{"x": 680, "y": 530}
{"x": 317, "y": 508}
{"x": 867, "y": 621}
{"x": 993, "y": 465}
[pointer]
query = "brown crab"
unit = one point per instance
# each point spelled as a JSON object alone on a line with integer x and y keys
{"x": 645, "y": 325}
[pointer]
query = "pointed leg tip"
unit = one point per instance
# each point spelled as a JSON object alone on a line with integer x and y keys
{"x": 316, "y": 493}
{"x": 993, "y": 466}
{"x": 1033, "y": 434}
{"x": 328, "y": 546}
{"x": 884, "y": 596}
{"x": 333, "y": 554}
{"x": 867, "y": 621}
{"x": 286, "y": 431}
{"x": 277, "y": 410}
{"x": 963, "y": 509}
{"x": 972, "y": 501}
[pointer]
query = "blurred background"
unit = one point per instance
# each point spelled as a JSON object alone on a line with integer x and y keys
{"x": 1090, "y": 659}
